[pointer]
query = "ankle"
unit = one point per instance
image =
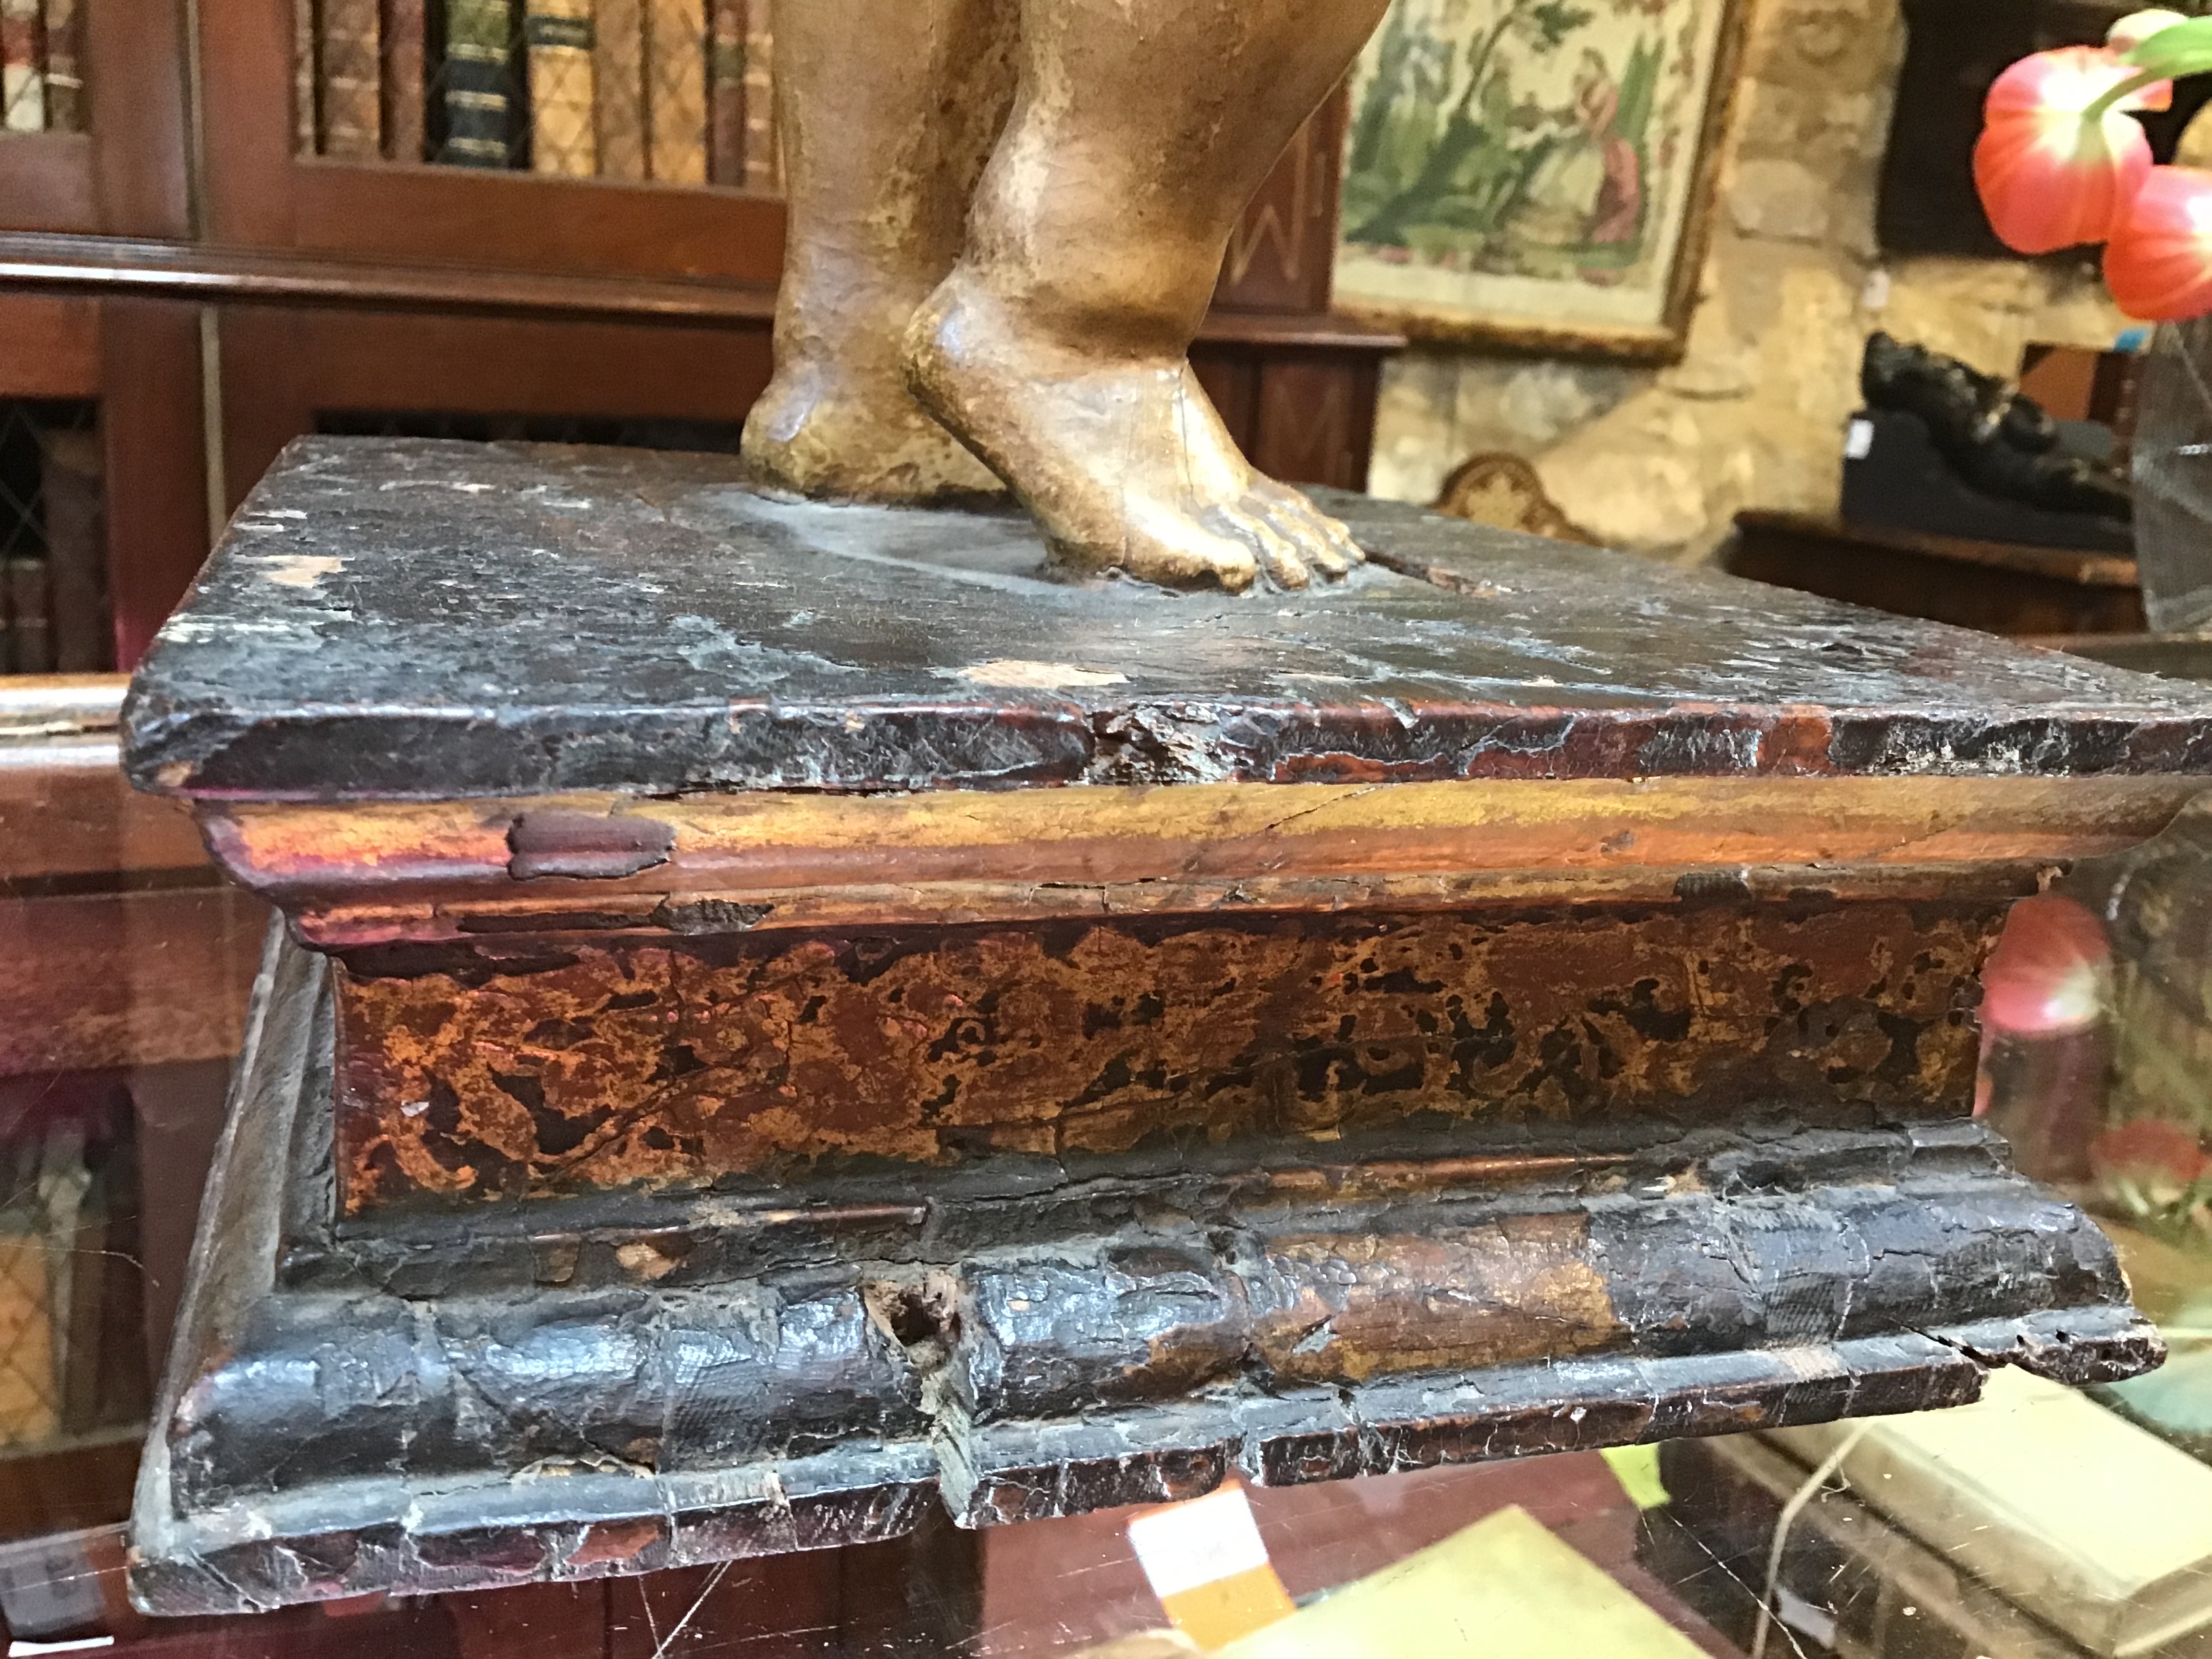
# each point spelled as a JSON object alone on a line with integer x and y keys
{"x": 1058, "y": 333}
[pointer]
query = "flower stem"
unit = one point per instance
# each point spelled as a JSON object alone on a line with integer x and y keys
{"x": 2102, "y": 106}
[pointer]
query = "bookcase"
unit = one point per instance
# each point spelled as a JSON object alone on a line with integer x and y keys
{"x": 257, "y": 227}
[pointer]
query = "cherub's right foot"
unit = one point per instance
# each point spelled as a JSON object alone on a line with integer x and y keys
{"x": 829, "y": 437}
{"x": 1121, "y": 458}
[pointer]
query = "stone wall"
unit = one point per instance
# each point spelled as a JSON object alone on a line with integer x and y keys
{"x": 1661, "y": 460}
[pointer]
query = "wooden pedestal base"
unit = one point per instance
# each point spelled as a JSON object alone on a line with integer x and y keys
{"x": 798, "y": 1018}
{"x": 614, "y": 1384}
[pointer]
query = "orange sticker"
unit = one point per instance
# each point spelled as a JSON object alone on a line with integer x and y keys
{"x": 1206, "y": 1563}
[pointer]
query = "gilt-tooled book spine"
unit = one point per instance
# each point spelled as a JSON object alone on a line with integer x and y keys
{"x": 479, "y": 84}
{"x": 65, "y": 107}
{"x": 23, "y": 66}
{"x": 676, "y": 90}
{"x": 618, "y": 78}
{"x": 726, "y": 92}
{"x": 559, "y": 35}
{"x": 403, "y": 56}
{"x": 763, "y": 148}
{"x": 72, "y": 492}
{"x": 352, "y": 81}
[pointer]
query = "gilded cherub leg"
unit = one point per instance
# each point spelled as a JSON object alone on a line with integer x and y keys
{"x": 1057, "y": 347}
{"x": 888, "y": 113}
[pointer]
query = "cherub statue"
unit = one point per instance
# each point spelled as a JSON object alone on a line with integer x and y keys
{"x": 1007, "y": 217}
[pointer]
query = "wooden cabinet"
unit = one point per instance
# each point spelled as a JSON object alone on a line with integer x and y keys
{"x": 212, "y": 292}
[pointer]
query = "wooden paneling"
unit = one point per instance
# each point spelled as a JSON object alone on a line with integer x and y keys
{"x": 96, "y": 981}
{"x": 91, "y": 266}
{"x": 281, "y": 366}
{"x": 66, "y": 815}
{"x": 180, "y": 1112}
{"x": 136, "y": 85}
{"x": 73, "y": 1486}
{"x": 541, "y": 1621}
{"x": 1283, "y": 254}
{"x": 522, "y": 221}
{"x": 1315, "y": 422}
{"x": 47, "y": 182}
{"x": 150, "y": 426}
{"x": 49, "y": 344}
{"x": 1302, "y": 415}
{"x": 246, "y": 99}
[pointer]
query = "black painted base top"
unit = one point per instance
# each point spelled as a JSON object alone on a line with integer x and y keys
{"x": 395, "y": 618}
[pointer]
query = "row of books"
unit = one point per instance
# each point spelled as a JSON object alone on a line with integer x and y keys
{"x": 678, "y": 91}
{"x": 42, "y": 66}
{"x": 54, "y": 565}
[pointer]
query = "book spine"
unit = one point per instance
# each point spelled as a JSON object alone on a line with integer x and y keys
{"x": 404, "y": 24}
{"x": 106, "y": 1382}
{"x": 676, "y": 90}
{"x": 352, "y": 81}
{"x": 562, "y": 139}
{"x": 73, "y": 493}
{"x": 479, "y": 89}
{"x": 618, "y": 80}
{"x": 726, "y": 92}
{"x": 29, "y": 1391}
{"x": 763, "y": 145}
{"x": 306, "y": 76}
{"x": 65, "y": 106}
{"x": 23, "y": 66}
{"x": 30, "y": 619}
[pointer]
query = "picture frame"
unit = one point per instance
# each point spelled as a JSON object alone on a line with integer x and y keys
{"x": 1537, "y": 174}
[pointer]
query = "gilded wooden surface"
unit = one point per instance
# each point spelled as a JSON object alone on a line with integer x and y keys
{"x": 600, "y": 1065}
{"x": 363, "y": 873}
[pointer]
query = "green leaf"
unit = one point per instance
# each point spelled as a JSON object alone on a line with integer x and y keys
{"x": 2178, "y": 49}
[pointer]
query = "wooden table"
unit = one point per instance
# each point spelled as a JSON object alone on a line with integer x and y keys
{"x": 1997, "y": 586}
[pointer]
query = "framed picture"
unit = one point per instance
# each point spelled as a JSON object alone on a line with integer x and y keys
{"x": 1537, "y": 173}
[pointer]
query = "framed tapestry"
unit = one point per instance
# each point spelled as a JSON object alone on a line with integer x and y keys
{"x": 1537, "y": 173}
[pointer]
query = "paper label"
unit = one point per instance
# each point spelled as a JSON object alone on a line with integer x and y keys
{"x": 1200, "y": 1542}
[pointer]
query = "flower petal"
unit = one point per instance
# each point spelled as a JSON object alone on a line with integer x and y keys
{"x": 2138, "y": 26}
{"x": 2049, "y": 972}
{"x": 2159, "y": 264}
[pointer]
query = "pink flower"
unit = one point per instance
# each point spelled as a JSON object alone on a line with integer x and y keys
{"x": 2047, "y": 976}
{"x": 2160, "y": 264}
{"x": 2051, "y": 175}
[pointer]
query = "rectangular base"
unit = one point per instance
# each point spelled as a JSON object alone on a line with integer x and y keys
{"x": 619, "y": 1383}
